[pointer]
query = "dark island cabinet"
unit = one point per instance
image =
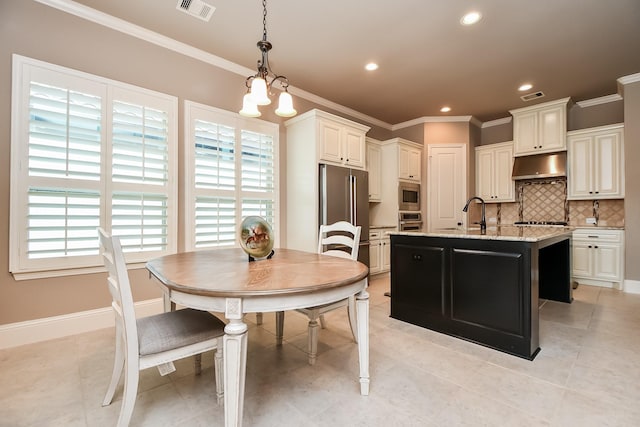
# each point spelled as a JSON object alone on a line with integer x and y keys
{"x": 420, "y": 299}
{"x": 484, "y": 291}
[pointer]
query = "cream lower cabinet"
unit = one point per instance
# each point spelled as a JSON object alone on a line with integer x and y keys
{"x": 598, "y": 257}
{"x": 380, "y": 250}
{"x": 596, "y": 163}
{"x": 494, "y": 165}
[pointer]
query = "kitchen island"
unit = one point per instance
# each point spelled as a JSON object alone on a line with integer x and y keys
{"x": 483, "y": 288}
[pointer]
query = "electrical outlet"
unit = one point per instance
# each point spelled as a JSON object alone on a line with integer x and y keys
{"x": 591, "y": 220}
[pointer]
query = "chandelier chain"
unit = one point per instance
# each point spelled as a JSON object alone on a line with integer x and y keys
{"x": 264, "y": 20}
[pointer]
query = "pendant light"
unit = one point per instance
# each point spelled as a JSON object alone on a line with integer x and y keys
{"x": 259, "y": 87}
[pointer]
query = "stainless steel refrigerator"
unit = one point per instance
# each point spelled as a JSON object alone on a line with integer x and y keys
{"x": 344, "y": 196}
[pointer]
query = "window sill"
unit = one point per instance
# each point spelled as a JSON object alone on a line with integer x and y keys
{"x": 47, "y": 274}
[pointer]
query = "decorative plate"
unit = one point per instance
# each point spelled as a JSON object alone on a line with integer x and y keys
{"x": 256, "y": 236}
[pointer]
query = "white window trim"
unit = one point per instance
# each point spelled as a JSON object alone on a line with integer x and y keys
{"x": 193, "y": 111}
{"x": 19, "y": 266}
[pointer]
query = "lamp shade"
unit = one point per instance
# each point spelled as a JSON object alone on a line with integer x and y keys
{"x": 285, "y": 105}
{"x": 249, "y": 107}
{"x": 259, "y": 91}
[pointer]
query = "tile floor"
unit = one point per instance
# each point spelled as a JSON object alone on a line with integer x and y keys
{"x": 587, "y": 374}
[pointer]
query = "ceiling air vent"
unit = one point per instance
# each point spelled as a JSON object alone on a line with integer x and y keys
{"x": 531, "y": 96}
{"x": 197, "y": 8}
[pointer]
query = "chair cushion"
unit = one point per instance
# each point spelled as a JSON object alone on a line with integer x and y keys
{"x": 176, "y": 329}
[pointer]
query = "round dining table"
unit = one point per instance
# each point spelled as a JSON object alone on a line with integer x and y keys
{"x": 225, "y": 281}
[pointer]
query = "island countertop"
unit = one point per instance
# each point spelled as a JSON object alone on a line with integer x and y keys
{"x": 513, "y": 233}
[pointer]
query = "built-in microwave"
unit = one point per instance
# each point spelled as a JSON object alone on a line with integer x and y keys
{"x": 408, "y": 196}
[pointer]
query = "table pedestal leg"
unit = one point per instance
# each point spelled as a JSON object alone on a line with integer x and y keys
{"x": 279, "y": 327}
{"x": 362, "y": 308}
{"x": 235, "y": 364}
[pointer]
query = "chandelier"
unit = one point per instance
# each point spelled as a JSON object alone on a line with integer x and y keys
{"x": 259, "y": 86}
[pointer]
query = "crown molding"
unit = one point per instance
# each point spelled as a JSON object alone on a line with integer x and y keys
{"x": 497, "y": 122}
{"x": 632, "y": 78}
{"x": 436, "y": 119}
{"x": 598, "y": 101}
{"x": 141, "y": 33}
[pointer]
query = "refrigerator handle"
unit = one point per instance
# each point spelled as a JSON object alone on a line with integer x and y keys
{"x": 353, "y": 195}
{"x": 323, "y": 194}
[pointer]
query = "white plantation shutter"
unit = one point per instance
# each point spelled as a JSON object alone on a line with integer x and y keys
{"x": 88, "y": 152}
{"x": 62, "y": 222}
{"x": 231, "y": 165}
{"x": 140, "y": 202}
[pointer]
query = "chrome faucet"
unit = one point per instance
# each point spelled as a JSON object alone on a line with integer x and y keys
{"x": 483, "y": 221}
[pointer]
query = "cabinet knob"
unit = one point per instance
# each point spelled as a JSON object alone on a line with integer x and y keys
{"x": 595, "y": 247}
{"x": 589, "y": 246}
{"x": 417, "y": 257}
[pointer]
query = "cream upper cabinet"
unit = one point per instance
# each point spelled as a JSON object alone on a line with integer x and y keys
{"x": 596, "y": 163}
{"x": 341, "y": 141}
{"x": 540, "y": 128}
{"x": 494, "y": 165}
{"x": 410, "y": 160}
{"x": 374, "y": 167}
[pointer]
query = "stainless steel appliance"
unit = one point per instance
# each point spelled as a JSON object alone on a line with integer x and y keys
{"x": 408, "y": 196}
{"x": 344, "y": 196}
{"x": 409, "y": 221}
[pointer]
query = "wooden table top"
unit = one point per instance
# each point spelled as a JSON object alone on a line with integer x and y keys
{"x": 227, "y": 272}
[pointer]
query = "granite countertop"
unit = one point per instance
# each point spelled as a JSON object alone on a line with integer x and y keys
{"x": 509, "y": 232}
{"x": 376, "y": 227}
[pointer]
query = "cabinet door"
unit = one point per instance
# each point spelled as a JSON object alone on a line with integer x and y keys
{"x": 608, "y": 165}
{"x": 354, "y": 147}
{"x": 330, "y": 148}
{"x": 581, "y": 259}
{"x": 385, "y": 254}
{"x": 415, "y": 160}
{"x": 606, "y": 262}
{"x": 504, "y": 186}
{"x": 374, "y": 163}
{"x": 580, "y": 167}
{"x": 409, "y": 163}
{"x": 551, "y": 129}
{"x": 525, "y": 133}
{"x": 374, "y": 256}
{"x": 485, "y": 174}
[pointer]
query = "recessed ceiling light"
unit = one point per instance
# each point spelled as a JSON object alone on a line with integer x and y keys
{"x": 445, "y": 109}
{"x": 525, "y": 86}
{"x": 371, "y": 66}
{"x": 470, "y": 18}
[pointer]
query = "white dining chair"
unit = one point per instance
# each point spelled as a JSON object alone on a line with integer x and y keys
{"x": 340, "y": 239}
{"x": 155, "y": 340}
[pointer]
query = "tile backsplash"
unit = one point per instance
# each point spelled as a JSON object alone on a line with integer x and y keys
{"x": 546, "y": 200}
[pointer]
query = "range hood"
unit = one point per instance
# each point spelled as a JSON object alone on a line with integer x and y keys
{"x": 540, "y": 166}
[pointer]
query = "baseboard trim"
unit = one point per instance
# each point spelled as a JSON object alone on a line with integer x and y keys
{"x": 632, "y": 286}
{"x": 32, "y": 331}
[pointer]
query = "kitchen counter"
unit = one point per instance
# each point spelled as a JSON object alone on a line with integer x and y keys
{"x": 377, "y": 227}
{"x": 510, "y": 232}
{"x": 483, "y": 288}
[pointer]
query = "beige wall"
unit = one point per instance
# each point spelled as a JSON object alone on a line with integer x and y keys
{"x": 632, "y": 180}
{"x": 34, "y": 30}
{"x": 40, "y": 32}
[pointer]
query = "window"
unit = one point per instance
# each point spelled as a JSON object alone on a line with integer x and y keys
{"x": 88, "y": 152}
{"x": 230, "y": 166}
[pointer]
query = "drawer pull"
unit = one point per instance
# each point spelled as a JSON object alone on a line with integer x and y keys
{"x": 417, "y": 257}
{"x": 593, "y": 237}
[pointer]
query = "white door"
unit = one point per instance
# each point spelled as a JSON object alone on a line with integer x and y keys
{"x": 446, "y": 185}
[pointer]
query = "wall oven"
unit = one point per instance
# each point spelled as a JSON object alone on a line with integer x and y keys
{"x": 408, "y": 196}
{"x": 409, "y": 221}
